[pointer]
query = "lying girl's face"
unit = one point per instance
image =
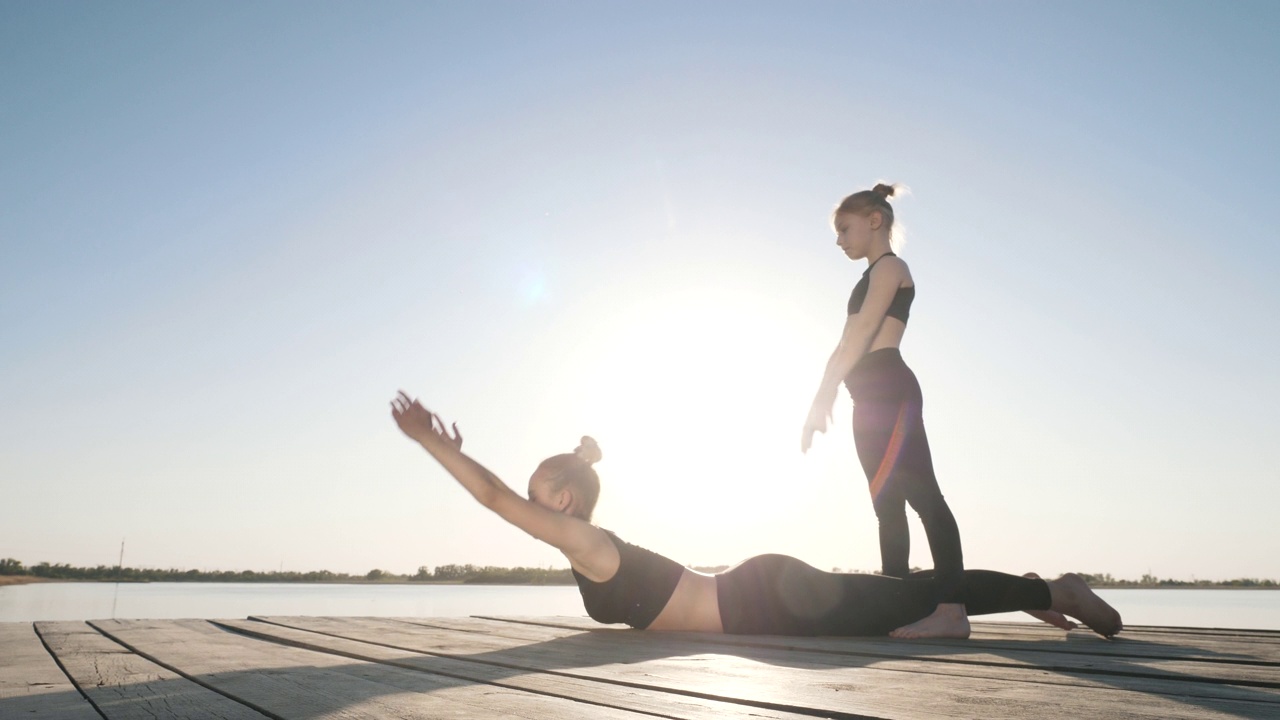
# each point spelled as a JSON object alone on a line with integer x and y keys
{"x": 540, "y": 489}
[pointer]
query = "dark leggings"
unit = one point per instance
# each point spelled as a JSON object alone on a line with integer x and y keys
{"x": 780, "y": 595}
{"x": 888, "y": 430}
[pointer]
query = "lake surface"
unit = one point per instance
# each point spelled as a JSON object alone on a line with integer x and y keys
{"x": 86, "y": 601}
{"x": 1257, "y": 609}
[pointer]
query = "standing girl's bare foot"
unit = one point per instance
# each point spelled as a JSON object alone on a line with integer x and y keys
{"x": 1053, "y": 617}
{"x": 949, "y": 620}
{"x": 1071, "y": 596}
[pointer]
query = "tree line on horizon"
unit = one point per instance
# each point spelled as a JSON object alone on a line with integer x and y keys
{"x": 468, "y": 574}
{"x": 463, "y": 574}
{"x": 1149, "y": 580}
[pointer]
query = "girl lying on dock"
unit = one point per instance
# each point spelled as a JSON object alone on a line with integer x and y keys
{"x": 764, "y": 595}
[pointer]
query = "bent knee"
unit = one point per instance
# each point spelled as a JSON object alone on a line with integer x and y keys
{"x": 930, "y": 506}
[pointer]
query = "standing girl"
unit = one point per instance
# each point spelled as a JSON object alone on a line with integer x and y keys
{"x": 888, "y": 425}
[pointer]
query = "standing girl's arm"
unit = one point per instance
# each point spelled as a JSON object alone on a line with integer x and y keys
{"x": 859, "y": 330}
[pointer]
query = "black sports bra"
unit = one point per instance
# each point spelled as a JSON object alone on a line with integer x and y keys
{"x": 637, "y": 593}
{"x": 900, "y": 308}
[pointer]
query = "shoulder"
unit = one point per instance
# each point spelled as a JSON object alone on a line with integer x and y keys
{"x": 890, "y": 263}
{"x": 891, "y": 267}
{"x": 599, "y": 557}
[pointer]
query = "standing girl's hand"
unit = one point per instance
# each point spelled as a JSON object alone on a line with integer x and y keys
{"x": 816, "y": 422}
{"x": 420, "y": 423}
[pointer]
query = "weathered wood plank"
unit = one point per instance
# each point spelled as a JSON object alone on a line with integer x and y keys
{"x": 1255, "y": 634}
{"x": 540, "y": 668}
{"x": 641, "y": 700}
{"x": 31, "y": 683}
{"x": 1136, "y": 643}
{"x": 290, "y": 682}
{"x": 823, "y": 683}
{"x": 1209, "y": 643}
{"x": 968, "y": 658}
{"x": 124, "y": 686}
{"x": 956, "y": 655}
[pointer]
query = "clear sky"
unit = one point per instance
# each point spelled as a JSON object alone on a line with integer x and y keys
{"x": 229, "y": 232}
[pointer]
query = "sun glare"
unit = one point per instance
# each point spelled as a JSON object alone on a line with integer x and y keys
{"x": 698, "y": 396}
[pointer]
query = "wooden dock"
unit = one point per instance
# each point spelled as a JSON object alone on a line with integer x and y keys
{"x": 295, "y": 668}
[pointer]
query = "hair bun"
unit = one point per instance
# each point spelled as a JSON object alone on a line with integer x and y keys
{"x": 588, "y": 451}
{"x": 885, "y": 191}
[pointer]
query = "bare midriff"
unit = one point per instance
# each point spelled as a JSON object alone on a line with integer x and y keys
{"x": 889, "y": 335}
{"x": 694, "y": 605}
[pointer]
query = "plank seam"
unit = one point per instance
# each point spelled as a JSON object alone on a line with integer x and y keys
{"x": 1181, "y": 693}
{"x": 1188, "y": 630}
{"x": 924, "y": 643}
{"x": 1174, "y": 629}
{"x": 36, "y": 629}
{"x": 982, "y": 663}
{"x": 416, "y": 623}
{"x": 180, "y": 673}
{"x": 404, "y": 666}
{"x": 812, "y": 712}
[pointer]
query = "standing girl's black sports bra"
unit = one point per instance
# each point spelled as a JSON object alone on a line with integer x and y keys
{"x": 900, "y": 308}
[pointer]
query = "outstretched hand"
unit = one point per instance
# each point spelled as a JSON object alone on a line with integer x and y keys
{"x": 420, "y": 423}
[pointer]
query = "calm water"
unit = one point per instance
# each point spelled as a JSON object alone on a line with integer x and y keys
{"x": 87, "y": 601}
{"x": 1259, "y": 609}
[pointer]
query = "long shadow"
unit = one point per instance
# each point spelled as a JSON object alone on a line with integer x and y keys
{"x": 1080, "y": 642}
{"x": 296, "y": 692}
{"x": 309, "y": 688}
{"x": 566, "y": 655}
{"x": 302, "y": 691}
{"x": 61, "y": 704}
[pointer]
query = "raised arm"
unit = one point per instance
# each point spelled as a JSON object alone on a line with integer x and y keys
{"x": 586, "y": 546}
{"x": 859, "y": 330}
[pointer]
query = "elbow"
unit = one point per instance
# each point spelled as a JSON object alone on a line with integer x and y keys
{"x": 849, "y": 355}
{"x": 487, "y": 497}
{"x": 856, "y": 343}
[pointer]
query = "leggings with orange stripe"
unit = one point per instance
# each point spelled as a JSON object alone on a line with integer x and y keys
{"x": 888, "y": 430}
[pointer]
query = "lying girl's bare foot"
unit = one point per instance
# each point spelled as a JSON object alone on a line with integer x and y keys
{"x": 949, "y": 620}
{"x": 1071, "y": 596}
{"x": 1053, "y": 617}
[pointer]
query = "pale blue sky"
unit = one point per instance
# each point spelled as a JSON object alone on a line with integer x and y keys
{"x": 229, "y": 233}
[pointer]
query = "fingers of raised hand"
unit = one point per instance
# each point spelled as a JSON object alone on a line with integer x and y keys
{"x": 401, "y": 402}
{"x": 404, "y": 406}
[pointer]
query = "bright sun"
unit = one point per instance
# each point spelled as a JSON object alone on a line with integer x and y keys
{"x": 697, "y": 397}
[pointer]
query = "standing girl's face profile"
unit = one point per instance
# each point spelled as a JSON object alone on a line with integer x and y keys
{"x": 853, "y": 233}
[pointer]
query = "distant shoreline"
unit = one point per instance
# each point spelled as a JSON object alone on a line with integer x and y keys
{"x": 7, "y": 580}
{"x": 31, "y": 579}
{"x": 13, "y": 572}
{"x": 22, "y": 580}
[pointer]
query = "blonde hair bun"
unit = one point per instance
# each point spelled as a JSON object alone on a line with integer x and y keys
{"x": 886, "y": 191}
{"x": 588, "y": 451}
